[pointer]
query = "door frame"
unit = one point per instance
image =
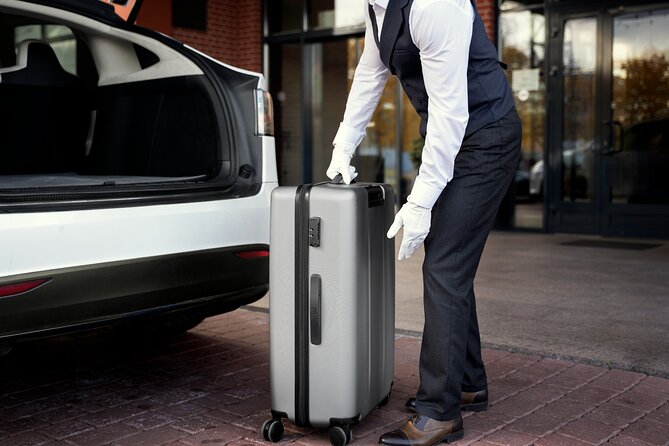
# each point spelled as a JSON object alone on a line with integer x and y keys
{"x": 600, "y": 216}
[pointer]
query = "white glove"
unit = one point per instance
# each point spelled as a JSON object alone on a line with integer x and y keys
{"x": 416, "y": 221}
{"x": 341, "y": 164}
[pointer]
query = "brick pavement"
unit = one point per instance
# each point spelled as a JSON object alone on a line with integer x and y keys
{"x": 210, "y": 386}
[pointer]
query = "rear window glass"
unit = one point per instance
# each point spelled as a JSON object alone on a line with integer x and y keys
{"x": 59, "y": 37}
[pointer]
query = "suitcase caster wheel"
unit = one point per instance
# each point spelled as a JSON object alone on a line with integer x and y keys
{"x": 272, "y": 430}
{"x": 340, "y": 436}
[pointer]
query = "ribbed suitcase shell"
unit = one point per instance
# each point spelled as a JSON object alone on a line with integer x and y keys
{"x": 351, "y": 371}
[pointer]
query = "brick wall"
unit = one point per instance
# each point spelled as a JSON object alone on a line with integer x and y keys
{"x": 233, "y": 35}
{"x": 488, "y": 11}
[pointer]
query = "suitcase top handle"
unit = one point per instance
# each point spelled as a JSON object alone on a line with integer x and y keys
{"x": 338, "y": 179}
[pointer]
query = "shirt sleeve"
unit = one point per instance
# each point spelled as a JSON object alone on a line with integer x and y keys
{"x": 369, "y": 80}
{"x": 442, "y": 31}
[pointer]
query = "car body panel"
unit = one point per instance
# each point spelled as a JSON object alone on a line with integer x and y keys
{"x": 111, "y": 257}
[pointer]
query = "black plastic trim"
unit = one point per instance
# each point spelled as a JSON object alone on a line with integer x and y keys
{"x": 98, "y": 294}
{"x": 315, "y": 314}
{"x": 302, "y": 305}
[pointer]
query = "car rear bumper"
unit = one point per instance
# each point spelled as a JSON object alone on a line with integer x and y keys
{"x": 214, "y": 280}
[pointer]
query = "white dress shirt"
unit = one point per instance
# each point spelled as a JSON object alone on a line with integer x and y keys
{"x": 442, "y": 30}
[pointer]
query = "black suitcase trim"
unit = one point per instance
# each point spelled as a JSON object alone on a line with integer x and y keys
{"x": 302, "y": 305}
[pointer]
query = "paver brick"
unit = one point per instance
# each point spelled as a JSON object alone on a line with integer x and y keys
{"x": 152, "y": 437}
{"x": 149, "y": 420}
{"x": 649, "y": 431}
{"x": 575, "y": 376}
{"x": 222, "y": 435}
{"x": 617, "y": 380}
{"x": 624, "y": 440}
{"x": 537, "y": 424}
{"x": 661, "y": 414}
{"x": 639, "y": 400}
{"x": 615, "y": 415}
{"x": 25, "y": 439}
{"x": 510, "y": 438}
{"x": 559, "y": 440}
{"x": 490, "y": 355}
{"x": 208, "y": 387}
{"x": 113, "y": 415}
{"x": 103, "y": 435}
{"x": 195, "y": 424}
{"x": 591, "y": 396}
{"x": 588, "y": 430}
{"x": 66, "y": 429}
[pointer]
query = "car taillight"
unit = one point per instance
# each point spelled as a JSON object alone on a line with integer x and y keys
{"x": 246, "y": 255}
{"x": 13, "y": 289}
{"x": 264, "y": 113}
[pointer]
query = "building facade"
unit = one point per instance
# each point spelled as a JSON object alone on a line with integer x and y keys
{"x": 590, "y": 80}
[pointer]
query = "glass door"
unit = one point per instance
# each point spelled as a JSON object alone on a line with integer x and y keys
{"x": 575, "y": 136}
{"x": 609, "y": 143}
{"x": 635, "y": 156}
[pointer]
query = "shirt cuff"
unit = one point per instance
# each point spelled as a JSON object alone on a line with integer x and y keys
{"x": 348, "y": 136}
{"x": 423, "y": 194}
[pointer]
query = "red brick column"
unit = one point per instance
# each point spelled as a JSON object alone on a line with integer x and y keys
{"x": 488, "y": 11}
{"x": 233, "y": 35}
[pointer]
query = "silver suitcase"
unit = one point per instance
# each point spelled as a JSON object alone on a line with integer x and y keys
{"x": 332, "y": 306}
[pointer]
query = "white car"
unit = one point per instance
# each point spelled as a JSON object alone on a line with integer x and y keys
{"x": 135, "y": 174}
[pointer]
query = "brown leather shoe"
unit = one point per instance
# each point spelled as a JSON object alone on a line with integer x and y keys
{"x": 470, "y": 402}
{"x": 424, "y": 431}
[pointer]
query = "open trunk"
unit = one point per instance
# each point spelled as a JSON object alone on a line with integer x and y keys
{"x": 83, "y": 112}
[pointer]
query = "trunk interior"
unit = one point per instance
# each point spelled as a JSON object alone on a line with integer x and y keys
{"x": 60, "y": 129}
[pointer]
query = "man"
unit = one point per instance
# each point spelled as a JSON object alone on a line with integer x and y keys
{"x": 449, "y": 69}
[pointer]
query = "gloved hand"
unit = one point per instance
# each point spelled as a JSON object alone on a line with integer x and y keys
{"x": 341, "y": 163}
{"x": 416, "y": 221}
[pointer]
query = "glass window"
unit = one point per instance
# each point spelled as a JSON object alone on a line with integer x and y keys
{"x": 325, "y": 14}
{"x": 412, "y": 146}
{"x": 285, "y": 85}
{"x": 579, "y": 57}
{"x": 284, "y": 16}
{"x": 59, "y": 37}
{"x": 639, "y": 157}
{"x": 333, "y": 69}
{"x": 522, "y": 48}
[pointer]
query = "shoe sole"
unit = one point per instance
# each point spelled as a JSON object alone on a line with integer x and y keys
{"x": 455, "y": 436}
{"x": 478, "y": 407}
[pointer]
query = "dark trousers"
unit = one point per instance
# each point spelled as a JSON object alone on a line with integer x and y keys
{"x": 450, "y": 358}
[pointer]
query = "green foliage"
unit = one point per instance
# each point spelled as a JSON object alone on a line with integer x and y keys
{"x": 416, "y": 151}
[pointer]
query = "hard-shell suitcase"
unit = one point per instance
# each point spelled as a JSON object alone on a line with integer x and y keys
{"x": 332, "y": 305}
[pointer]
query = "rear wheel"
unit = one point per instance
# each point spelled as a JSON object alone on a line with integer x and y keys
{"x": 340, "y": 435}
{"x": 272, "y": 430}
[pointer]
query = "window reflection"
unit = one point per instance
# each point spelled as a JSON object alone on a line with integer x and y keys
{"x": 325, "y": 14}
{"x": 578, "y": 136}
{"x": 523, "y": 48}
{"x": 285, "y": 81}
{"x": 640, "y": 132}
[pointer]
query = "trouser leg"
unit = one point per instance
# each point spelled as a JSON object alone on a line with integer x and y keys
{"x": 474, "y": 378}
{"x": 461, "y": 221}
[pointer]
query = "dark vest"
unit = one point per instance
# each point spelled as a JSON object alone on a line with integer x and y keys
{"x": 489, "y": 95}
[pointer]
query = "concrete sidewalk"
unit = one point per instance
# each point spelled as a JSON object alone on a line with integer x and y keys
{"x": 536, "y": 295}
{"x": 211, "y": 386}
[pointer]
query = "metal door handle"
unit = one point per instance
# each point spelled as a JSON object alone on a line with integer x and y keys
{"x": 609, "y": 147}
